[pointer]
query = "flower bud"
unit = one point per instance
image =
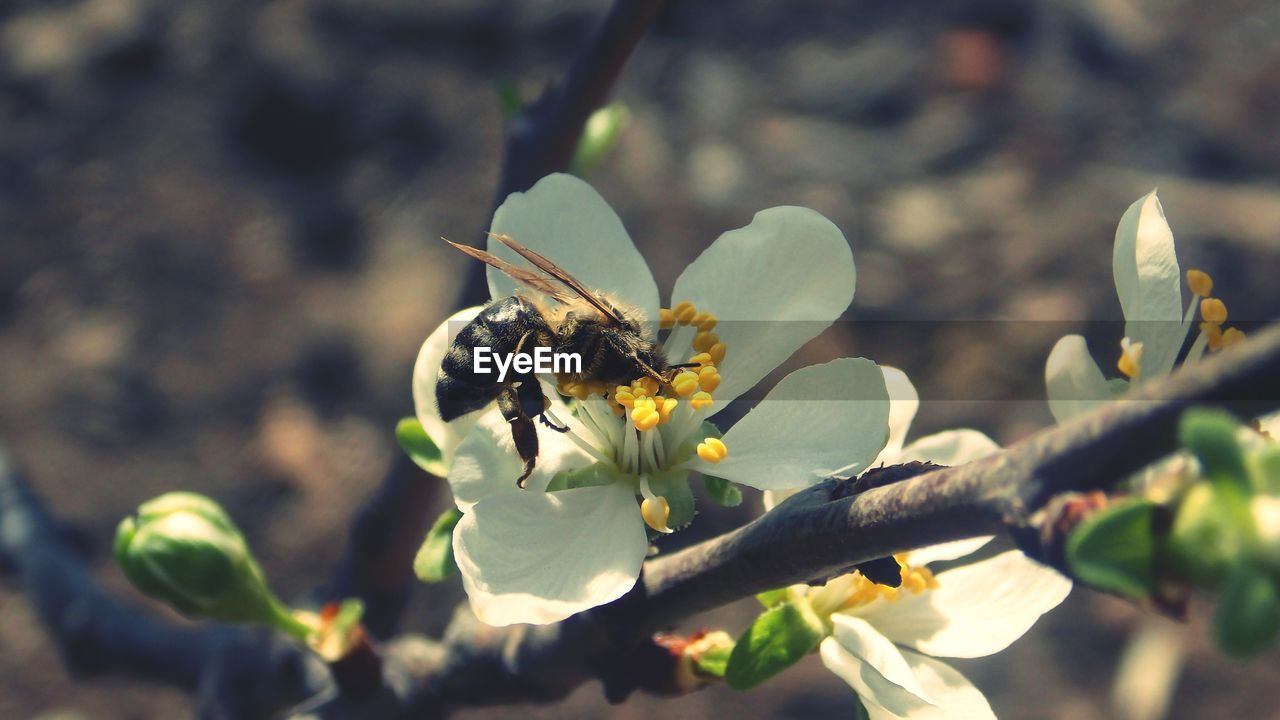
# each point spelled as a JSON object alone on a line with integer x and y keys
{"x": 184, "y": 550}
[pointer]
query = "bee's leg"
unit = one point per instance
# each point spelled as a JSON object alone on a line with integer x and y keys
{"x": 523, "y": 431}
{"x": 542, "y": 417}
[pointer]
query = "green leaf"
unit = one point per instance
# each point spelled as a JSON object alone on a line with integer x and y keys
{"x": 778, "y": 639}
{"x": 769, "y": 598}
{"x": 1212, "y": 436}
{"x": 420, "y": 447}
{"x": 1247, "y": 619}
{"x": 715, "y": 661}
{"x": 1115, "y": 549}
{"x": 599, "y": 136}
{"x": 723, "y": 492}
{"x": 434, "y": 561}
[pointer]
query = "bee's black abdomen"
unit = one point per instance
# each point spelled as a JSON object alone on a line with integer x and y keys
{"x": 500, "y": 326}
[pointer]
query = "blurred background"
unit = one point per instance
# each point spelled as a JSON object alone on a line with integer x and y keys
{"x": 220, "y": 250}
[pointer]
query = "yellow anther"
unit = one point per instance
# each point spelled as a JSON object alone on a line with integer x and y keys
{"x": 708, "y": 379}
{"x": 717, "y": 353}
{"x": 712, "y": 450}
{"x": 705, "y": 321}
{"x": 1199, "y": 282}
{"x": 702, "y": 358}
{"x": 700, "y": 400}
{"x": 665, "y": 407}
{"x": 623, "y": 396}
{"x": 1213, "y": 333}
{"x": 684, "y": 313}
{"x": 1213, "y": 310}
{"x": 685, "y": 383}
{"x": 1232, "y": 336}
{"x": 646, "y": 386}
{"x": 703, "y": 341}
{"x": 645, "y": 414}
{"x": 1130, "y": 362}
{"x": 666, "y": 319}
{"x": 655, "y": 512}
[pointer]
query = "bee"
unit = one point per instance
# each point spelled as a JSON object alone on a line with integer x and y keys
{"x": 613, "y": 342}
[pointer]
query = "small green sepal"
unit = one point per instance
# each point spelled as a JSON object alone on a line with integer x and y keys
{"x": 434, "y": 561}
{"x": 1115, "y": 549}
{"x": 419, "y": 446}
{"x": 1247, "y": 618}
{"x": 778, "y": 639}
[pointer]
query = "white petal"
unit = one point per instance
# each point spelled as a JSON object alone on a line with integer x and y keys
{"x": 819, "y": 421}
{"x": 977, "y": 610}
{"x": 943, "y": 552}
{"x": 873, "y": 667}
{"x": 566, "y": 220}
{"x": 1074, "y": 383}
{"x": 535, "y": 557}
{"x": 486, "y": 463}
{"x": 774, "y": 285}
{"x": 954, "y": 696}
{"x": 426, "y": 370}
{"x": 949, "y": 447}
{"x": 1149, "y": 284}
{"x": 904, "y": 401}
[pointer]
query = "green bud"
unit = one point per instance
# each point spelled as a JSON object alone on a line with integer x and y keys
{"x": 1247, "y": 618}
{"x": 184, "y": 550}
{"x": 599, "y": 136}
{"x": 1207, "y": 533}
{"x": 1265, "y": 466}
{"x": 1212, "y": 436}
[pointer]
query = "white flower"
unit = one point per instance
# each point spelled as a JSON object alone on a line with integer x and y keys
{"x": 575, "y": 537}
{"x": 883, "y": 637}
{"x": 1149, "y": 283}
{"x": 949, "y": 447}
{"x": 884, "y": 640}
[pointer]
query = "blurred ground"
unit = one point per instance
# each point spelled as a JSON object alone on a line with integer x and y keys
{"x": 219, "y": 252}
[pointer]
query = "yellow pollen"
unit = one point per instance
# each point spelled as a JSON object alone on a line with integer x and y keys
{"x": 717, "y": 353}
{"x": 684, "y": 313}
{"x": 1130, "y": 362}
{"x": 645, "y": 414}
{"x": 666, "y": 319}
{"x": 1213, "y": 310}
{"x": 705, "y": 321}
{"x": 712, "y": 450}
{"x": 702, "y": 358}
{"x": 704, "y": 340}
{"x": 665, "y": 406}
{"x": 655, "y": 512}
{"x": 915, "y": 580}
{"x": 623, "y": 396}
{"x": 1232, "y": 336}
{"x": 708, "y": 379}
{"x": 685, "y": 383}
{"x": 1199, "y": 282}
{"x": 1213, "y": 333}
{"x": 646, "y": 386}
{"x": 700, "y": 400}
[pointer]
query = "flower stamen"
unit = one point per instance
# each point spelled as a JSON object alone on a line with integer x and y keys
{"x": 1130, "y": 362}
{"x": 712, "y": 450}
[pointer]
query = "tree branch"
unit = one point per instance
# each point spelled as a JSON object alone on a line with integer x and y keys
{"x": 541, "y": 140}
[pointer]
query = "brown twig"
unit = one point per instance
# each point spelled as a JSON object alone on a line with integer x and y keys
{"x": 542, "y": 138}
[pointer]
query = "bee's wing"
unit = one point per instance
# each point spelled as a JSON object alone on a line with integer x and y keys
{"x": 519, "y": 274}
{"x": 562, "y": 275}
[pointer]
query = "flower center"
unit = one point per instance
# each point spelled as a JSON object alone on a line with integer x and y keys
{"x": 1212, "y": 336}
{"x": 648, "y": 427}
{"x": 852, "y": 591}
